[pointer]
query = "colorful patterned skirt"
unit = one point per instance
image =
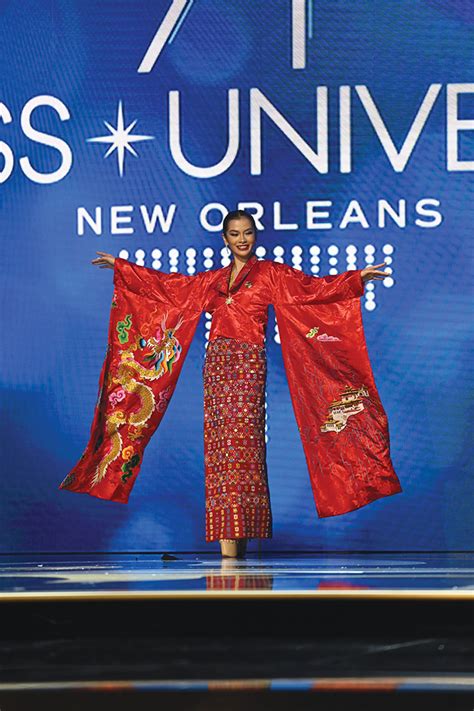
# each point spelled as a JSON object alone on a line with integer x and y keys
{"x": 236, "y": 482}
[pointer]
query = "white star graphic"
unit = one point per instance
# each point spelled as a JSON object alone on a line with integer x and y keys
{"x": 120, "y": 139}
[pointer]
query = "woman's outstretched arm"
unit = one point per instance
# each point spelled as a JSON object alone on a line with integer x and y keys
{"x": 293, "y": 286}
{"x": 179, "y": 289}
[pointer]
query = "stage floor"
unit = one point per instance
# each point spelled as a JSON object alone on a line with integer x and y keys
{"x": 359, "y": 628}
{"x": 398, "y": 575}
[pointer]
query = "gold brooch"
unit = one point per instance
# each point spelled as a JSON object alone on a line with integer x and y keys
{"x": 229, "y": 300}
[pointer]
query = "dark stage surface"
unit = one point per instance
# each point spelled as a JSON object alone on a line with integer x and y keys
{"x": 351, "y": 628}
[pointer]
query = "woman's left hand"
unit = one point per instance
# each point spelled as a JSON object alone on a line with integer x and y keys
{"x": 373, "y": 273}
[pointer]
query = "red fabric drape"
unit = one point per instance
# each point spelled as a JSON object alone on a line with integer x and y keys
{"x": 341, "y": 420}
{"x": 153, "y": 318}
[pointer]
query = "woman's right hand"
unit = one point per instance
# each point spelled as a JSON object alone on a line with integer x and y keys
{"x": 105, "y": 261}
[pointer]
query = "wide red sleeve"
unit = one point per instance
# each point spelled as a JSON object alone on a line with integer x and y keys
{"x": 342, "y": 422}
{"x": 152, "y": 321}
{"x": 157, "y": 285}
{"x": 292, "y": 286}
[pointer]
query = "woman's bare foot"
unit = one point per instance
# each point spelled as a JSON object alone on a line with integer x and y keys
{"x": 229, "y": 547}
{"x": 233, "y": 547}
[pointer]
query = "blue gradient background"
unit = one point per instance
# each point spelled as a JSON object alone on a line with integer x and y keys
{"x": 55, "y": 305}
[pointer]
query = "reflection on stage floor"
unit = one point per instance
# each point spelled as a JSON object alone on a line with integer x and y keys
{"x": 194, "y": 574}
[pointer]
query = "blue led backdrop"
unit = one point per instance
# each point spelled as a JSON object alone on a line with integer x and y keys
{"x": 132, "y": 128}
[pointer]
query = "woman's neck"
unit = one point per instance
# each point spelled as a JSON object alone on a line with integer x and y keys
{"x": 239, "y": 263}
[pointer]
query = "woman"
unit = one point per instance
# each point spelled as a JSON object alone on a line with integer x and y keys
{"x": 326, "y": 360}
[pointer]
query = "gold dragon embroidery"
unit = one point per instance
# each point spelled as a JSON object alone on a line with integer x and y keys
{"x": 164, "y": 351}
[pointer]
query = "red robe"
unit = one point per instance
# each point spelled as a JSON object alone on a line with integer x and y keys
{"x": 153, "y": 318}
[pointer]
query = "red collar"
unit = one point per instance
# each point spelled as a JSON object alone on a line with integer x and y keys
{"x": 223, "y": 283}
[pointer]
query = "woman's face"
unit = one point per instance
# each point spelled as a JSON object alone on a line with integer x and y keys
{"x": 240, "y": 237}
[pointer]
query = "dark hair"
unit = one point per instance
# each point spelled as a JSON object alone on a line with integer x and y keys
{"x": 237, "y": 215}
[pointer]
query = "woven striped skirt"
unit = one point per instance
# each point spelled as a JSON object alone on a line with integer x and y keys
{"x": 236, "y": 481}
